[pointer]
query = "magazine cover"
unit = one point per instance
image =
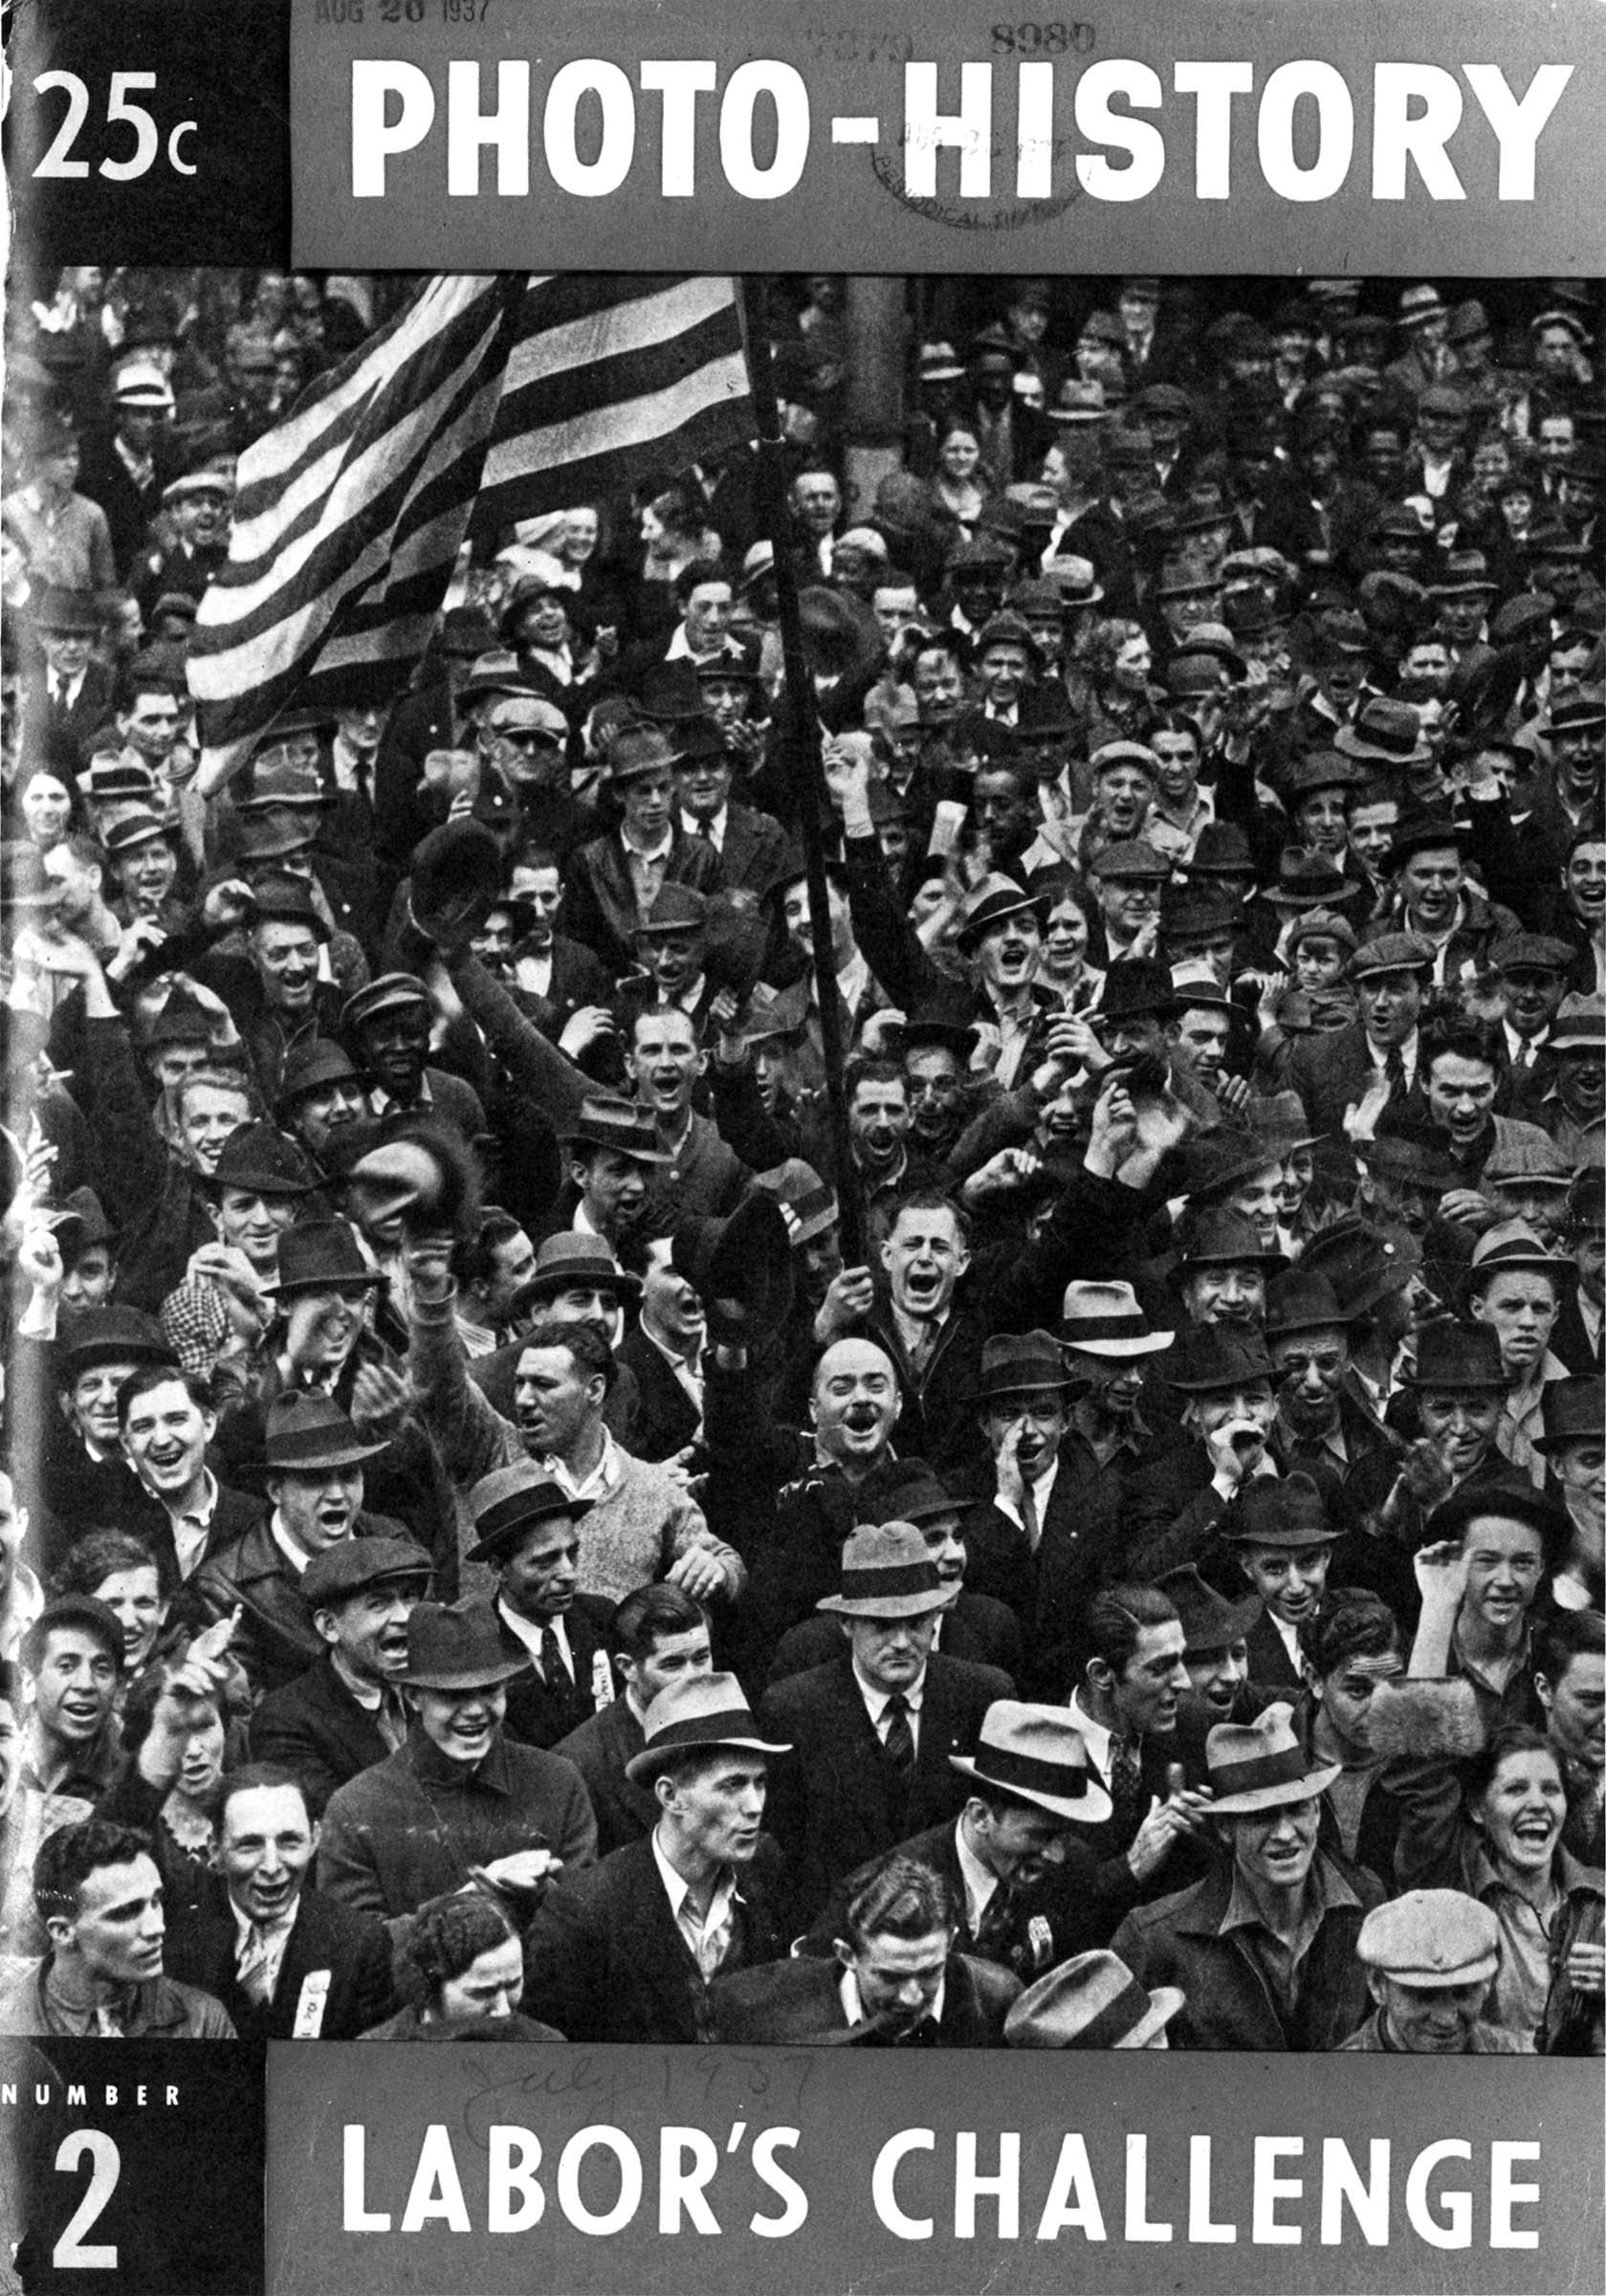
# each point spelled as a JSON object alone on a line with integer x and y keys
{"x": 802, "y": 1209}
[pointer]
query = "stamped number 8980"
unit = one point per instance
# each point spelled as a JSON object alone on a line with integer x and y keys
{"x": 1042, "y": 39}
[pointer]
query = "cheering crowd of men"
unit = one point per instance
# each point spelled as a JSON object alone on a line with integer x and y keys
{"x": 557, "y": 1488}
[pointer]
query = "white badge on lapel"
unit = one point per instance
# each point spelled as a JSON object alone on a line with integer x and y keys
{"x": 311, "y": 2005}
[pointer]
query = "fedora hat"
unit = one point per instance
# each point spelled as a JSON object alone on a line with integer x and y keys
{"x": 1134, "y": 987}
{"x": 1579, "y": 1026}
{"x": 459, "y": 1646}
{"x": 1423, "y": 833}
{"x": 571, "y": 1260}
{"x": 283, "y": 900}
{"x": 1260, "y": 1765}
{"x": 1092, "y": 2002}
{"x": 1574, "y": 1411}
{"x": 307, "y": 1067}
{"x": 1280, "y": 1120}
{"x": 320, "y": 1255}
{"x": 1305, "y": 880}
{"x": 1221, "y": 851}
{"x": 886, "y": 1573}
{"x": 807, "y": 1205}
{"x": 605, "y": 1120}
{"x": 697, "y": 1711}
{"x": 1407, "y": 1149}
{"x": 1221, "y": 1238}
{"x": 1105, "y": 1319}
{"x": 1283, "y": 1511}
{"x": 1131, "y": 860}
{"x": 1021, "y": 1363}
{"x": 1517, "y": 1501}
{"x": 745, "y": 1258}
{"x": 68, "y": 613}
{"x": 1210, "y": 1620}
{"x": 1364, "y": 1263}
{"x": 1456, "y": 1356}
{"x": 505, "y": 1502}
{"x": 677, "y": 909}
{"x": 994, "y": 899}
{"x": 307, "y": 1431}
{"x": 911, "y": 1493}
{"x": 136, "y": 829}
{"x": 259, "y": 1160}
{"x": 113, "y": 1334}
{"x": 1214, "y": 1162}
{"x": 25, "y": 882}
{"x": 1301, "y": 1301}
{"x": 1033, "y": 1752}
{"x": 1512, "y": 1244}
{"x": 425, "y": 1174}
{"x": 1211, "y": 1358}
{"x": 456, "y": 879}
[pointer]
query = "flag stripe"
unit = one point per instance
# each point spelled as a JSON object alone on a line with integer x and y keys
{"x": 485, "y": 400}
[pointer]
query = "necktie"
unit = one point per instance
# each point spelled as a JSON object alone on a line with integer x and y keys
{"x": 1126, "y": 1784}
{"x": 553, "y": 1673}
{"x": 109, "y": 2022}
{"x": 250, "y": 1964}
{"x": 898, "y": 1746}
{"x": 995, "y": 1931}
{"x": 1029, "y": 1521}
{"x": 392, "y": 1720}
{"x": 1394, "y": 1071}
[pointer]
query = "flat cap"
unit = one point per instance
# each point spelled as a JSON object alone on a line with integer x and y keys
{"x": 1431, "y": 1937}
{"x": 351, "y": 1564}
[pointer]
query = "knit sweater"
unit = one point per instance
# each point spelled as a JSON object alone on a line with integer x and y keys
{"x": 634, "y": 1530}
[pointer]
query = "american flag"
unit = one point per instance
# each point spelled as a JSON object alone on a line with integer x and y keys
{"x": 486, "y": 399}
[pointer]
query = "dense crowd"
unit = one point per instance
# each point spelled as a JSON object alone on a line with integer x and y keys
{"x": 538, "y": 1504}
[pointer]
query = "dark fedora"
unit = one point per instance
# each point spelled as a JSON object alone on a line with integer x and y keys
{"x": 668, "y": 692}
{"x": 1452, "y": 1356}
{"x": 309, "y": 1066}
{"x": 459, "y": 1646}
{"x": 1302, "y": 1302}
{"x": 66, "y": 613}
{"x": 457, "y": 880}
{"x": 182, "y": 1020}
{"x": 137, "y": 829}
{"x": 994, "y": 899}
{"x": 1135, "y": 989}
{"x": 1410, "y": 1150}
{"x": 1021, "y": 1363}
{"x": 1305, "y": 880}
{"x": 1363, "y": 1262}
{"x": 809, "y": 1205}
{"x": 426, "y": 1174}
{"x": 320, "y": 1255}
{"x": 1221, "y": 1238}
{"x": 677, "y": 909}
{"x": 1423, "y": 832}
{"x": 1210, "y": 1620}
{"x": 1132, "y": 860}
{"x": 605, "y": 1120}
{"x": 1574, "y": 1411}
{"x": 259, "y": 1160}
{"x": 1221, "y": 851}
{"x": 1220, "y": 1160}
{"x": 1035, "y": 1754}
{"x": 1279, "y": 1511}
{"x": 698, "y": 1711}
{"x": 505, "y": 1503}
{"x": 1212, "y": 1358}
{"x": 113, "y": 1334}
{"x": 1516, "y": 1502}
{"x": 572, "y": 1260}
{"x": 745, "y": 1258}
{"x": 307, "y": 1431}
{"x": 914, "y": 1495}
{"x": 283, "y": 900}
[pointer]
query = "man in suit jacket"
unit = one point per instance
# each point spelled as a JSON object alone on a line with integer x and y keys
{"x": 1334, "y": 1069}
{"x": 615, "y": 879}
{"x": 315, "y": 1459}
{"x": 70, "y": 697}
{"x": 1024, "y": 1881}
{"x": 659, "y": 1637}
{"x": 627, "y": 1952}
{"x": 896, "y": 1982}
{"x": 975, "y": 1626}
{"x": 750, "y": 844}
{"x": 287, "y": 1963}
{"x": 873, "y": 1731}
{"x": 345, "y": 1713}
{"x": 529, "y": 1538}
